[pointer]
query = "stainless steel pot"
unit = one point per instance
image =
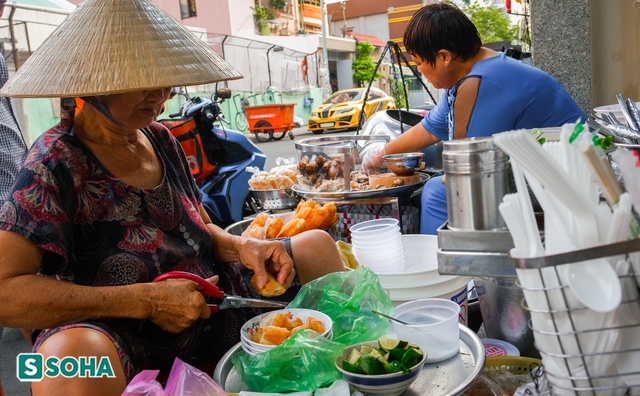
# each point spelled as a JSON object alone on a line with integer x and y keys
{"x": 476, "y": 179}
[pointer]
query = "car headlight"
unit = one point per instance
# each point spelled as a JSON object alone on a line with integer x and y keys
{"x": 346, "y": 110}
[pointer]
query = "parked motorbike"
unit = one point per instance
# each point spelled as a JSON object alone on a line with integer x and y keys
{"x": 218, "y": 156}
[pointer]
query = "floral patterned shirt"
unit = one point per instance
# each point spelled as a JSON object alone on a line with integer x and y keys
{"x": 98, "y": 231}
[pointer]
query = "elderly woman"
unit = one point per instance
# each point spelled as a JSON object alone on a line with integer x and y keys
{"x": 486, "y": 93}
{"x": 105, "y": 203}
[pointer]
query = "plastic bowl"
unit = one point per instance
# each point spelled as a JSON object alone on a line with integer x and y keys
{"x": 434, "y": 326}
{"x": 384, "y": 384}
{"x": 375, "y": 222}
{"x": 251, "y": 326}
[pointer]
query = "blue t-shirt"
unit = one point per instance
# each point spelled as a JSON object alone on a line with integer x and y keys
{"x": 511, "y": 95}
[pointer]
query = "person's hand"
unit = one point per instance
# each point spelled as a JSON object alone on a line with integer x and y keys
{"x": 372, "y": 159}
{"x": 262, "y": 255}
{"x": 177, "y": 303}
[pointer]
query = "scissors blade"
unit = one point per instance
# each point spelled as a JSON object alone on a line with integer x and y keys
{"x": 240, "y": 302}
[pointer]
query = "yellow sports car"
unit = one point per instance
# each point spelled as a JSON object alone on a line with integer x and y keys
{"x": 342, "y": 109}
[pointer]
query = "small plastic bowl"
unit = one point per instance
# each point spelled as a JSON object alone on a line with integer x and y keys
{"x": 405, "y": 164}
{"x": 383, "y": 384}
{"x": 434, "y": 326}
{"x": 249, "y": 328}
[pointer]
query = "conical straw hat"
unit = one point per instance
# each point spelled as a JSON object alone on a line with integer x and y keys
{"x": 116, "y": 46}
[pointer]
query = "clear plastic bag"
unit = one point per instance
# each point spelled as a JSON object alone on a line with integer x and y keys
{"x": 183, "y": 380}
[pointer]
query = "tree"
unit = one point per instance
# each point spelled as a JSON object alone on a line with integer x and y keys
{"x": 363, "y": 66}
{"x": 492, "y": 23}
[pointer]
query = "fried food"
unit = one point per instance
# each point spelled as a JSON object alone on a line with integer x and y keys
{"x": 274, "y": 328}
{"x": 293, "y": 227}
{"x": 257, "y": 227}
{"x": 272, "y": 288}
{"x": 348, "y": 258}
{"x": 274, "y": 227}
{"x": 308, "y": 215}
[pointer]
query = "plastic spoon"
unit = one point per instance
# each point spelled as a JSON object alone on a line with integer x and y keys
{"x": 603, "y": 292}
{"x": 595, "y": 284}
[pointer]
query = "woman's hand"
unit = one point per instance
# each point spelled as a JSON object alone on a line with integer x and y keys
{"x": 372, "y": 159}
{"x": 177, "y": 303}
{"x": 266, "y": 255}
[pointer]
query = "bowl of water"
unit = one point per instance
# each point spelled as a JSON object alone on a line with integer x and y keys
{"x": 433, "y": 324}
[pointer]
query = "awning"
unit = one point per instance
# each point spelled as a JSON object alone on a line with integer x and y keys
{"x": 375, "y": 41}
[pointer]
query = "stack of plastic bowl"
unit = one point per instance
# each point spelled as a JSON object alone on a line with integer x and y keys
{"x": 377, "y": 245}
{"x": 251, "y": 326}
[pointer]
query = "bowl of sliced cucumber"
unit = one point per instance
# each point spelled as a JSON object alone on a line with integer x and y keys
{"x": 384, "y": 367}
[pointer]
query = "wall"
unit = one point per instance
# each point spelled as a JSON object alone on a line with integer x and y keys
{"x": 615, "y": 40}
{"x": 561, "y": 44}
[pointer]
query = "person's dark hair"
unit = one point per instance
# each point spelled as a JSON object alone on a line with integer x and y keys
{"x": 441, "y": 26}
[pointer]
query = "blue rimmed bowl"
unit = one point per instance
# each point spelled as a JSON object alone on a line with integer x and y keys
{"x": 383, "y": 384}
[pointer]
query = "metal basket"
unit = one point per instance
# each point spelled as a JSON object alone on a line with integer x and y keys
{"x": 584, "y": 356}
{"x": 283, "y": 198}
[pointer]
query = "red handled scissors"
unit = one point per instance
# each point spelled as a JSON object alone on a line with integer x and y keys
{"x": 213, "y": 291}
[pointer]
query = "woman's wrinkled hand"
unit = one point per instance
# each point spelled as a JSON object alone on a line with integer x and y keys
{"x": 267, "y": 255}
{"x": 177, "y": 303}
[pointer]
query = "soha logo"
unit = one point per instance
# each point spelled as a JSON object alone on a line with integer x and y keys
{"x": 32, "y": 367}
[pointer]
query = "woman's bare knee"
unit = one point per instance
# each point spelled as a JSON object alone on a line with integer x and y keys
{"x": 316, "y": 254}
{"x": 99, "y": 371}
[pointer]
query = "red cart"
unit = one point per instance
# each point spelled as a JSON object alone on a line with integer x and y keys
{"x": 271, "y": 121}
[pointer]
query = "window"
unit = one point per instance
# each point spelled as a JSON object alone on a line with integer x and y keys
{"x": 188, "y": 8}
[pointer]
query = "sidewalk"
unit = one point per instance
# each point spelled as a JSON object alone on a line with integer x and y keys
{"x": 12, "y": 344}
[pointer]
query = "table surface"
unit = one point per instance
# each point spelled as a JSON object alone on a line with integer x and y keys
{"x": 449, "y": 377}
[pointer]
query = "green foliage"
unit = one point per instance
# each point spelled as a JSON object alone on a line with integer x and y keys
{"x": 261, "y": 15}
{"x": 492, "y": 23}
{"x": 363, "y": 66}
{"x": 398, "y": 93}
{"x": 277, "y": 4}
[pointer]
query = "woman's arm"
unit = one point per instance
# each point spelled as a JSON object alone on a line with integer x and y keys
{"x": 415, "y": 139}
{"x": 35, "y": 301}
{"x": 256, "y": 254}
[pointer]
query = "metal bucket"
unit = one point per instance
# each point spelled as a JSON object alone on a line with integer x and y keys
{"x": 476, "y": 180}
{"x": 503, "y": 315}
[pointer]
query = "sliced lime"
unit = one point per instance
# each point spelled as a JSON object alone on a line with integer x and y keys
{"x": 352, "y": 368}
{"x": 370, "y": 365}
{"x": 397, "y": 353}
{"x": 353, "y": 356}
{"x": 382, "y": 356}
{"x": 390, "y": 368}
{"x": 411, "y": 357}
{"x": 391, "y": 343}
{"x": 366, "y": 349}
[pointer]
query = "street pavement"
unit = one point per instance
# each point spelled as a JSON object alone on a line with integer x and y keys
{"x": 11, "y": 345}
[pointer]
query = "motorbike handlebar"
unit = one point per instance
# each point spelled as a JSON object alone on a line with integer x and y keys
{"x": 174, "y": 115}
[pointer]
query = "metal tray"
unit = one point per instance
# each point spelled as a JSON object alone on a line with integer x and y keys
{"x": 353, "y": 195}
{"x": 450, "y": 377}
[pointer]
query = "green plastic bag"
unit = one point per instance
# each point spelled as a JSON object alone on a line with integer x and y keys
{"x": 348, "y": 298}
{"x": 304, "y": 362}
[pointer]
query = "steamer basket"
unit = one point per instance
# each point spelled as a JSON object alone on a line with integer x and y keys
{"x": 284, "y": 198}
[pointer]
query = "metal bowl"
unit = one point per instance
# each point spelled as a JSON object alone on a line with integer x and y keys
{"x": 405, "y": 164}
{"x": 283, "y": 198}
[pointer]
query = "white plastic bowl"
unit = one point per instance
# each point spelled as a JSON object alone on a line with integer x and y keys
{"x": 250, "y": 327}
{"x": 434, "y": 326}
